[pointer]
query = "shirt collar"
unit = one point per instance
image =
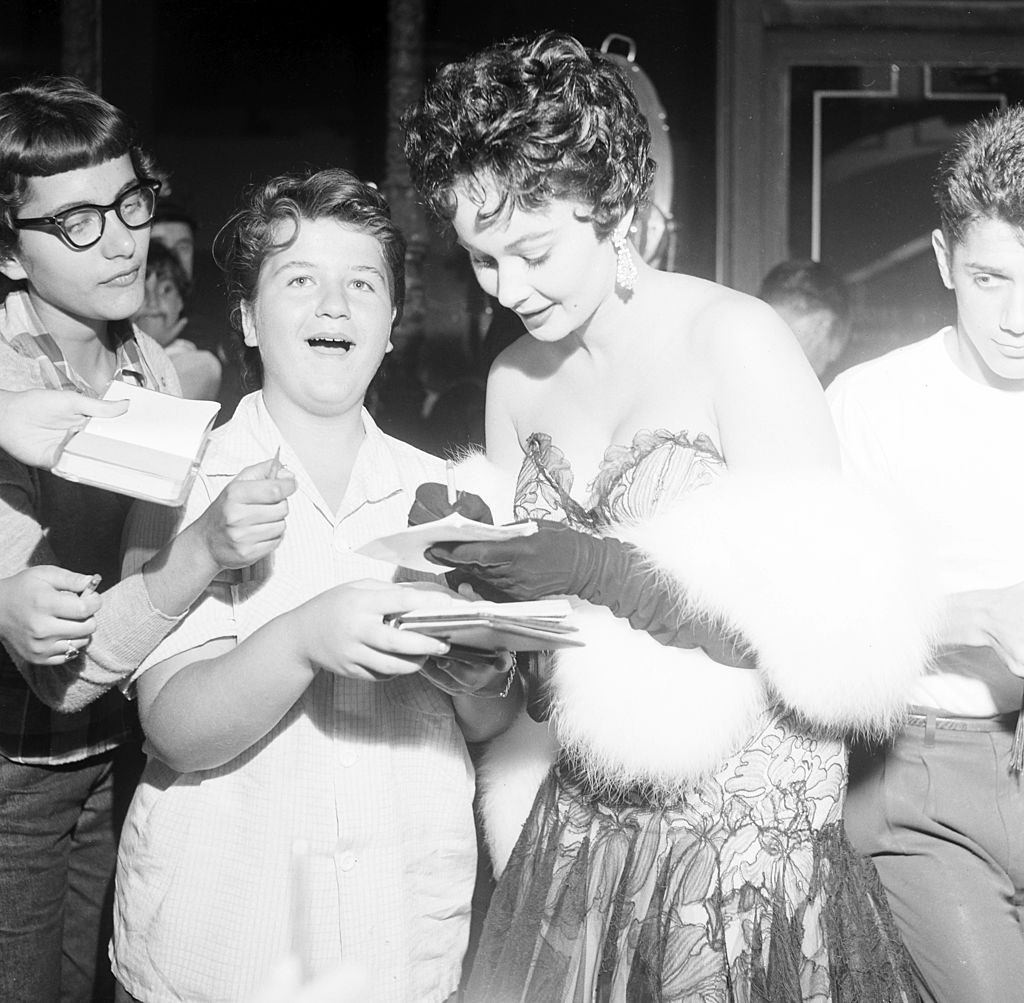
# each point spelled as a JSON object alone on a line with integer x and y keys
{"x": 375, "y": 474}
{"x": 22, "y": 328}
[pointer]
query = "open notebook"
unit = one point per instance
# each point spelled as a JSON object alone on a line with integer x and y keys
{"x": 152, "y": 451}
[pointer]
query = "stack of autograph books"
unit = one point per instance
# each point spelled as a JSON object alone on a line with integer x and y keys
{"x": 488, "y": 626}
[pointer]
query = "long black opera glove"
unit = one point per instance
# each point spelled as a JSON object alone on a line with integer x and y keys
{"x": 557, "y": 560}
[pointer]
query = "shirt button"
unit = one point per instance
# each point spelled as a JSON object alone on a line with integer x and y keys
{"x": 349, "y": 758}
{"x": 347, "y": 861}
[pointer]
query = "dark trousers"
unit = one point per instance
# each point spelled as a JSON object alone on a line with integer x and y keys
{"x": 59, "y": 827}
{"x": 943, "y": 820}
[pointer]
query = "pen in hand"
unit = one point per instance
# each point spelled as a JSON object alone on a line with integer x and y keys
{"x": 91, "y": 586}
{"x": 449, "y": 473}
{"x": 275, "y": 467}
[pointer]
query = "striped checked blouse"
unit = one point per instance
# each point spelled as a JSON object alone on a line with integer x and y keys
{"x": 374, "y": 776}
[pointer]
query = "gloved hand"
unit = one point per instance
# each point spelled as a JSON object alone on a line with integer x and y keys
{"x": 557, "y": 560}
{"x": 432, "y": 503}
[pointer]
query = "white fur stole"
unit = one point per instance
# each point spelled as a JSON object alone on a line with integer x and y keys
{"x": 817, "y": 579}
{"x": 823, "y": 582}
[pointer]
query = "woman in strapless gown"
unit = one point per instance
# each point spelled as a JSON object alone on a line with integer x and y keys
{"x": 672, "y": 829}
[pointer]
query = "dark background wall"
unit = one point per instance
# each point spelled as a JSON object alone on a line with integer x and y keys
{"x": 230, "y": 92}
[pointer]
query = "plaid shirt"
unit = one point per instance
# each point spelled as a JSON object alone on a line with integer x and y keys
{"x": 30, "y": 732}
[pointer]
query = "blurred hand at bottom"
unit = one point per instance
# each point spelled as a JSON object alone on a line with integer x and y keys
{"x": 348, "y": 983}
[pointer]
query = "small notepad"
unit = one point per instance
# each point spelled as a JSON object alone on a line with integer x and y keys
{"x": 405, "y": 548}
{"x": 152, "y": 451}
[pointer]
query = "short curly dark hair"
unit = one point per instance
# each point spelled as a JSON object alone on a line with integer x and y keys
{"x": 982, "y": 175}
{"x": 250, "y": 236}
{"x": 545, "y": 118}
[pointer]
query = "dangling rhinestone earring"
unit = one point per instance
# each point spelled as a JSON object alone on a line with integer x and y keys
{"x": 625, "y": 268}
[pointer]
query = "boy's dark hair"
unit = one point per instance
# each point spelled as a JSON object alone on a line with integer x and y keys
{"x": 249, "y": 237}
{"x": 51, "y": 125}
{"x": 982, "y": 175}
{"x": 545, "y": 118}
{"x": 170, "y": 211}
{"x": 165, "y": 264}
{"x": 807, "y": 284}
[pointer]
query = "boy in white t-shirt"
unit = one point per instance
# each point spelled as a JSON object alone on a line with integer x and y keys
{"x": 940, "y": 424}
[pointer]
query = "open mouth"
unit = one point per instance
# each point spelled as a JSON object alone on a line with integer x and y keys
{"x": 331, "y": 344}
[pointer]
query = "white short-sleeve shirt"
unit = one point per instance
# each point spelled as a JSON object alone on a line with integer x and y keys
{"x": 947, "y": 448}
{"x": 374, "y": 777}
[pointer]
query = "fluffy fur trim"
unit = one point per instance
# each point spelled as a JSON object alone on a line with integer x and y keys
{"x": 631, "y": 712}
{"x": 509, "y": 773}
{"x": 820, "y": 578}
{"x": 474, "y": 472}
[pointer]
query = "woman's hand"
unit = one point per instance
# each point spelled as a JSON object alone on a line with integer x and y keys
{"x": 556, "y": 560}
{"x": 346, "y": 634}
{"x": 43, "y": 616}
{"x": 34, "y": 424}
{"x": 246, "y": 521}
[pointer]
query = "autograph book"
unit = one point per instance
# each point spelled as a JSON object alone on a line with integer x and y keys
{"x": 487, "y": 626}
{"x": 152, "y": 451}
{"x": 405, "y": 548}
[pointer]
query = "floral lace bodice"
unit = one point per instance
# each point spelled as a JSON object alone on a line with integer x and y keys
{"x": 633, "y": 482}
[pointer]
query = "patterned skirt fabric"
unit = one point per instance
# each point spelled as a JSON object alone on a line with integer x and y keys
{"x": 744, "y": 889}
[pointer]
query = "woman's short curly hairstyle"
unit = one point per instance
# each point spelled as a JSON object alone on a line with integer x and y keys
{"x": 982, "y": 175}
{"x": 252, "y": 234}
{"x": 544, "y": 118}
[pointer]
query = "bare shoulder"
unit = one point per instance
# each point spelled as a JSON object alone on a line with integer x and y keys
{"x": 731, "y": 324}
{"x": 768, "y": 405}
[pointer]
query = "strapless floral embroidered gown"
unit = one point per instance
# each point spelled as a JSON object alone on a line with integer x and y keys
{"x": 743, "y": 888}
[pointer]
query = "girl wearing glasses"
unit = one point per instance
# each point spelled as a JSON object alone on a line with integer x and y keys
{"x": 75, "y": 206}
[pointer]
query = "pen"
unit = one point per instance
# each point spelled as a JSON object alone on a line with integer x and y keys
{"x": 91, "y": 586}
{"x": 275, "y": 467}
{"x": 449, "y": 472}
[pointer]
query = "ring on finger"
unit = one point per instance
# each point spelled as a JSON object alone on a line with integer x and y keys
{"x": 71, "y": 651}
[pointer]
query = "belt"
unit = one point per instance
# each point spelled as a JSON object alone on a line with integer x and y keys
{"x": 921, "y": 718}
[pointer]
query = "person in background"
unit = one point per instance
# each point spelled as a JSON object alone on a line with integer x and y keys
{"x": 674, "y": 831}
{"x": 161, "y": 316}
{"x": 176, "y": 228}
{"x": 815, "y": 303}
{"x": 451, "y": 418}
{"x": 938, "y": 425}
{"x": 76, "y": 200}
{"x": 283, "y": 707}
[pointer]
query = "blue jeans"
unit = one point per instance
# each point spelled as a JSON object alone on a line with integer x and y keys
{"x": 59, "y": 827}
{"x": 943, "y": 820}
